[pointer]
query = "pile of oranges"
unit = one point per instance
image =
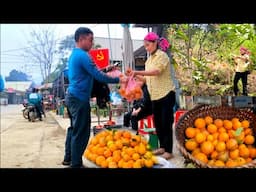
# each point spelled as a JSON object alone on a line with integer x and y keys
{"x": 221, "y": 143}
{"x": 119, "y": 149}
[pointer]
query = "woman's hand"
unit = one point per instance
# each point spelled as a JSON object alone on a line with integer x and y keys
{"x": 123, "y": 80}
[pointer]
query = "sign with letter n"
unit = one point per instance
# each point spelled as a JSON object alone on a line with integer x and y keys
{"x": 100, "y": 57}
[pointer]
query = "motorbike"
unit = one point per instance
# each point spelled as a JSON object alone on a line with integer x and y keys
{"x": 25, "y": 110}
{"x": 32, "y": 113}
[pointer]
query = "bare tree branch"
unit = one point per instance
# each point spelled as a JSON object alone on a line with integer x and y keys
{"x": 42, "y": 50}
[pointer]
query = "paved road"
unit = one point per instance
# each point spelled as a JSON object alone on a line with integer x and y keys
{"x": 30, "y": 144}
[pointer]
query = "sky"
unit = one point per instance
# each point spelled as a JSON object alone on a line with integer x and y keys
{"x": 14, "y": 38}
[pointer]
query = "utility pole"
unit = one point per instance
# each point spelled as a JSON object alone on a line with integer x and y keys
{"x": 111, "y": 56}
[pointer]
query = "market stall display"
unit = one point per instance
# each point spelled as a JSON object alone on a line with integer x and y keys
{"x": 121, "y": 149}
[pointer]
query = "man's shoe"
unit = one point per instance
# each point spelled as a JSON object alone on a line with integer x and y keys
{"x": 66, "y": 163}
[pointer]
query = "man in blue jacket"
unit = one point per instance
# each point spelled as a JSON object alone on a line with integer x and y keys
{"x": 1, "y": 83}
{"x": 81, "y": 73}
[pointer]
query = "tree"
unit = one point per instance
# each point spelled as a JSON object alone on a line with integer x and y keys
{"x": 66, "y": 46}
{"x": 15, "y": 75}
{"x": 204, "y": 52}
{"x": 42, "y": 50}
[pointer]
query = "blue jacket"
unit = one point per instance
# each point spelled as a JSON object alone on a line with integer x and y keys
{"x": 81, "y": 72}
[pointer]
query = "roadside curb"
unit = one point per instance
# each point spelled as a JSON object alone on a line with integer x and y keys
{"x": 63, "y": 122}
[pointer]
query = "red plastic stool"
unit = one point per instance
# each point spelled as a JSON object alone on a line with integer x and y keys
{"x": 150, "y": 124}
{"x": 179, "y": 114}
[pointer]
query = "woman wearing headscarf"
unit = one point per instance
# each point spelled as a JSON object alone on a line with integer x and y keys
{"x": 161, "y": 89}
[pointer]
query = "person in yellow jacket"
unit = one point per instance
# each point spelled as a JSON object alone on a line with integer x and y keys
{"x": 242, "y": 70}
{"x": 161, "y": 90}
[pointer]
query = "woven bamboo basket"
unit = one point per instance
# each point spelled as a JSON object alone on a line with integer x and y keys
{"x": 215, "y": 112}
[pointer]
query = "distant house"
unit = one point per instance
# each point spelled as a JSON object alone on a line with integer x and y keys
{"x": 17, "y": 91}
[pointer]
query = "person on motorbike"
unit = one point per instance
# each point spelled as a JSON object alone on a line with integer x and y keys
{"x": 41, "y": 105}
{"x": 35, "y": 99}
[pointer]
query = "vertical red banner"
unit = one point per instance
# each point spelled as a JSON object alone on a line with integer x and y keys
{"x": 100, "y": 57}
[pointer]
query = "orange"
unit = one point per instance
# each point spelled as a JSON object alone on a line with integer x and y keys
{"x": 127, "y": 134}
{"x": 211, "y": 128}
{"x": 100, "y": 151}
{"x": 240, "y": 161}
{"x": 195, "y": 151}
{"x": 245, "y": 124}
{"x": 200, "y": 123}
{"x": 231, "y": 163}
{"x": 200, "y": 138}
{"x": 122, "y": 92}
{"x": 116, "y": 158}
{"x": 210, "y": 138}
{"x": 248, "y": 131}
{"x": 244, "y": 152}
{"x": 248, "y": 160}
{"x": 222, "y": 130}
{"x": 232, "y": 144}
{"x": 249, "y": 139}
{"x": 240, "y": 138}
{"x": 241, "y": 146}
{"x": 112, "y": 147}
{"x": 190, "y": 132}
{"x": 214, "y": 155}
{"x": 99, "y": 160}
{"x": 94, "y": 141}
{"x": 148, "y": 163}
{"x": 135, "y": 156}
{"x": 191, "y": 144}
{"x": 202, "y": 157}
{"x": 120, "y": 163}
{"x": 142, "y": 149}
{"x": 112, "y": 165}
{"x": 117, "y": 135}
{"x": 231, "y": 133}
{"x": 208, "y": 120}
{"x": 234, "y": 119}
{"x": 211, "y": 162}
{"x": 137, "y": 164}
{"x": 215, "y": 135}
{"x": 104, "y": 164}
{"x": 102, "y": 142}
{"x": 219, "y": 163}
{"x": 234, "y": 154}
{"x": 236, "y": 125}
{"x": 107, "y": 153}
{"x": 93, "y": 157}
{"x": 130, "y": 151}
{"x": 218, "y": 123}
{"x": 87, "y": 153}
{"x": 221, "y": 146}
{"x": 223, "y": 136}
{"x": 207, "y": 147}
{"x": 119, "y": 144}
{"x": 227, "y": 124}
{"x": 252, "y": 152}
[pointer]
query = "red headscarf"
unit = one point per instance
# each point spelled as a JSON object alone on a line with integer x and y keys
{"x": 162, "y": 42}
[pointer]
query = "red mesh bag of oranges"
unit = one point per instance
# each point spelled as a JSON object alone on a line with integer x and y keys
{"x": 131, "y": 90}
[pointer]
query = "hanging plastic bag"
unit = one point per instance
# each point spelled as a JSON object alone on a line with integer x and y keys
{"x": 131, "y": 91}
